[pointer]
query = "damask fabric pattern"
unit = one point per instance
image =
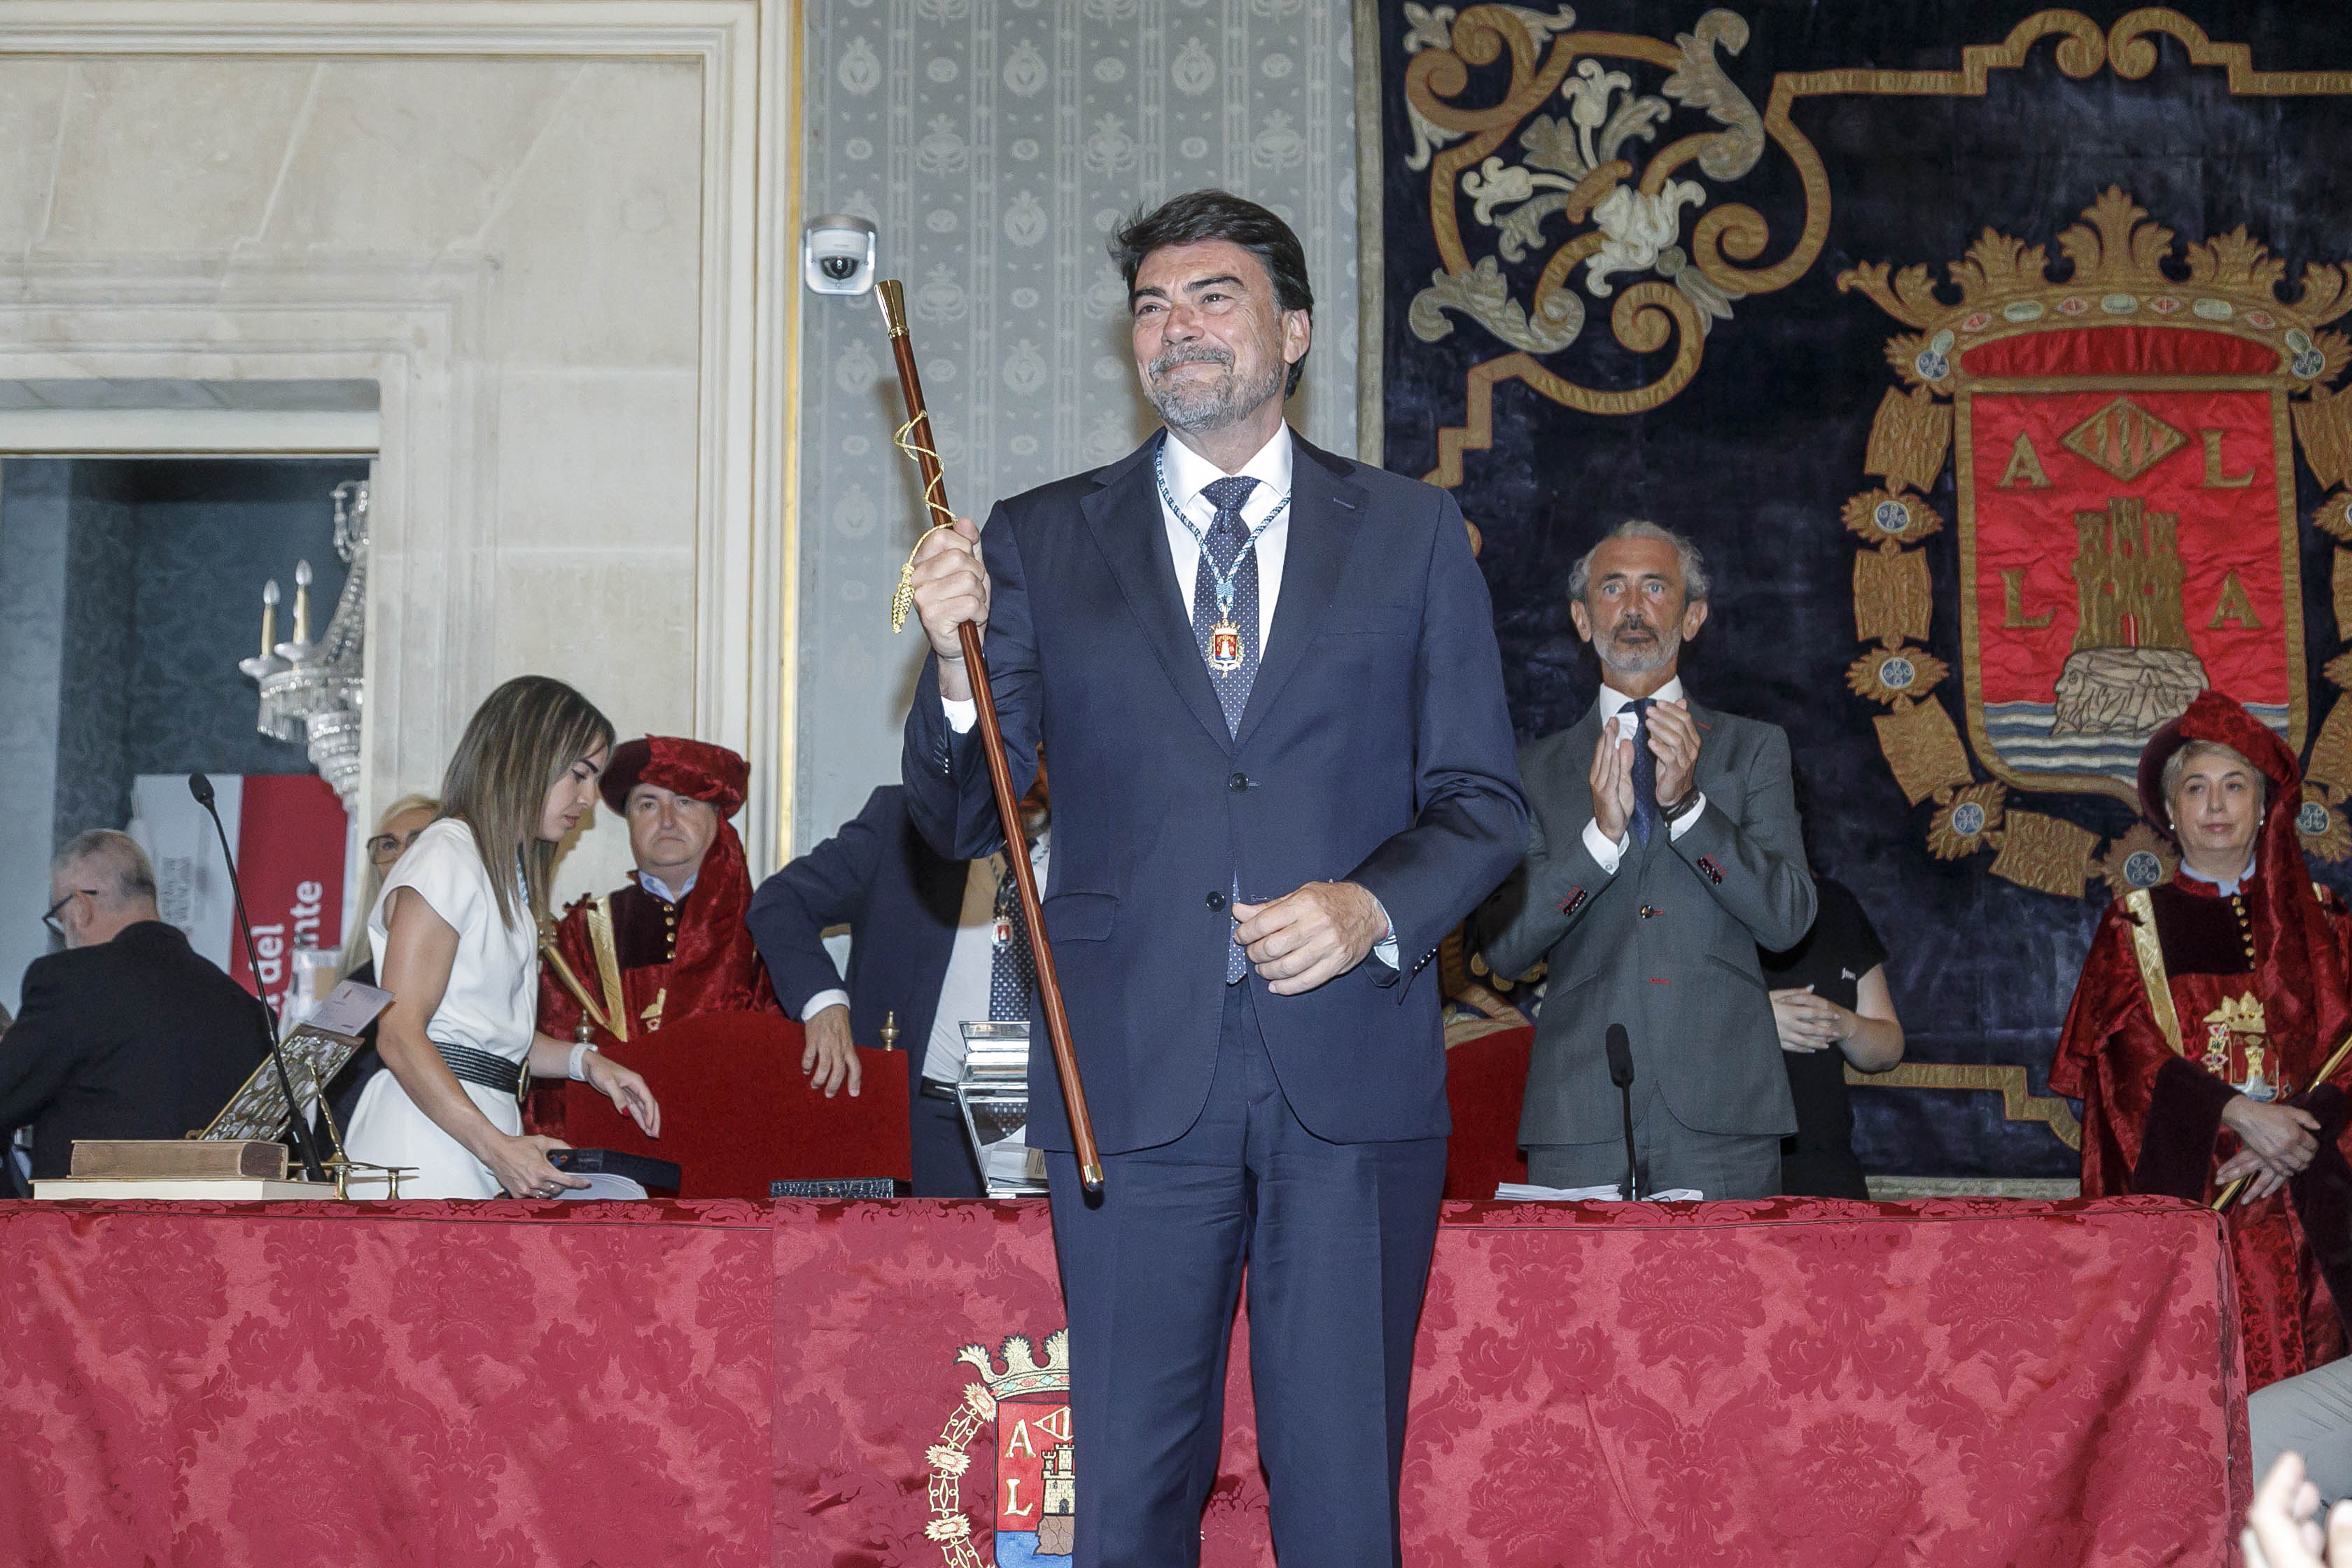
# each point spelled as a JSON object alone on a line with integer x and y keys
{"x": 413, "y": 1383}
{"x": 997, "y": 143}
{"x": 1962, "y": 1383}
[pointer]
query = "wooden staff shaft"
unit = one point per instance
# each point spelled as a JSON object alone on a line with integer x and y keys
{"x": 2229, "y": 1194}
{"x": 1000, "y": 767}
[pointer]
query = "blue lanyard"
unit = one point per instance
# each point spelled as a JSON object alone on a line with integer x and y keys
{"x": 1224, "y": 576}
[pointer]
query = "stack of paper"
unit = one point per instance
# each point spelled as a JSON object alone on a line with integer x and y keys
{"x": 1519, "y": 1192}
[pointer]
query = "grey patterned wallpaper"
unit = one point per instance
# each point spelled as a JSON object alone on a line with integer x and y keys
{"x": 997, "y": 143}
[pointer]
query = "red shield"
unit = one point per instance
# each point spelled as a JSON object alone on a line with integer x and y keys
{"x": 1035, "y": 1479}
{"x": 2127, "y": 540}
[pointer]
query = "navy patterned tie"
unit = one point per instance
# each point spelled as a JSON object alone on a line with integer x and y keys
{"x": 1226, "y": 537}
{"x": 1012, "y": 967}
{"x": 1646, "y": 773}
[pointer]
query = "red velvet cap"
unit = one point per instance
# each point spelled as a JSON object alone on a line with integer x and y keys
{"x": 694, "y": 769}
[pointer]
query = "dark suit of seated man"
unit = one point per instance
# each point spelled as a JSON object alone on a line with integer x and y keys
{"x": 934, "y": 941}
{"x": 127, "y": 1033}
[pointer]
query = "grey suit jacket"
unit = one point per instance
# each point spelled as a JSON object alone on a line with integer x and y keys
{"x": 1667, "y": 946}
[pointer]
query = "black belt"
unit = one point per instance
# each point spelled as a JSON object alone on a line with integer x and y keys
{"x": 471, "y": 1066}
{"x": 934, "y": 1090}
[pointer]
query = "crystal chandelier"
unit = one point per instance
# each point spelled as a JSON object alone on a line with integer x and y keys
{"x": 312, "y": 691}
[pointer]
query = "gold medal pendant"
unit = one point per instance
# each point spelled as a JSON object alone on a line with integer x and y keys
{"x": 1224, "y": 646}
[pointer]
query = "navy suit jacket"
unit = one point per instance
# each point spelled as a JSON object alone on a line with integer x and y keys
{"x": 1375, "y": 748}
{"x": 901, "y": 901}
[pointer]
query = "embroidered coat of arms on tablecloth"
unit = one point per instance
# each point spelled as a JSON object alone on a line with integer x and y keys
{"x": 1028, "y": 1403}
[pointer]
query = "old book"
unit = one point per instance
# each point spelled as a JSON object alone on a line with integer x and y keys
{"x": 175, "y": 1159}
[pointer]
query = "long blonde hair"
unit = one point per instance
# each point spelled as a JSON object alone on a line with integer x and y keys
{"x": 526, "y": 735}
{"x": 356, "y": 947}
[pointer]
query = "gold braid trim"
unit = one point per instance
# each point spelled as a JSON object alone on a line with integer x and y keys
{"x": 608, "y": 962}
{"x": 2017, "y": 1102}
{"x": 2149, "y": 947}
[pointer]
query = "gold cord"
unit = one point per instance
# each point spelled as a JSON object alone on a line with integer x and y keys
{"x": 935, "y": 501}
{"x": 903, "y": 599}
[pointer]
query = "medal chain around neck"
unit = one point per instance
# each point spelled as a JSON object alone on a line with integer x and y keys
{"x": 1223, "y": 576}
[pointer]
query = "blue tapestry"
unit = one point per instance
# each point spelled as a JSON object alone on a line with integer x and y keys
{"x": 1817, "y": 286}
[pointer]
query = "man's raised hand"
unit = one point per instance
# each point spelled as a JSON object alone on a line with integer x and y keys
{"x": 1613, "y": 784}
{"x": 950, "y": 588}
{"x": 1672, "y": 738}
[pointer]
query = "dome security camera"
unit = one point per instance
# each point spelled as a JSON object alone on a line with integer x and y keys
{"x": 838, "y": 255}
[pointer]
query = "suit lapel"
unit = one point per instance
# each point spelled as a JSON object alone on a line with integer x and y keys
{"x": 1325, "y": 514}
{"x": 1125, "y": 517}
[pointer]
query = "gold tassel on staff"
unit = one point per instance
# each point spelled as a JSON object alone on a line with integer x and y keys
{"x": 915, "y": 439}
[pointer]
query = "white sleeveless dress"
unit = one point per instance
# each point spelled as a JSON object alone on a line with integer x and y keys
{"x": 491, "y": 1004}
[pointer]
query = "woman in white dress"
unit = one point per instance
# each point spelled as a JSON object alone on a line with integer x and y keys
{"x": 455, "y": 936}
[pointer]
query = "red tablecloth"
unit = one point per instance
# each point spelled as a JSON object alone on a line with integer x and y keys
{"x": 1798, "y": 1382}
{"x": 417, "y": 1384}
{"x": 1952, "y": 1383}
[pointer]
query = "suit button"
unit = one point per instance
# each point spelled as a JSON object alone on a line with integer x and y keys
{"x": 1216, "y": 901}
{"x": 1238, "y": 782}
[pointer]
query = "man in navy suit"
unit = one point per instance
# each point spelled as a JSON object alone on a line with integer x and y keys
{"x": 1283, "y": 770}
{"x": 930, "y": 942}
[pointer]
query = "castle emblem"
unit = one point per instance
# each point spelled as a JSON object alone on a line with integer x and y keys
{"x": 2122, "y": 444}
{"x": 1027, "y": 1402}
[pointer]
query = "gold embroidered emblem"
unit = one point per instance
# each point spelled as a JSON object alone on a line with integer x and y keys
{"x": 2125, "y": 439}
{"x": 2129, "y": 529}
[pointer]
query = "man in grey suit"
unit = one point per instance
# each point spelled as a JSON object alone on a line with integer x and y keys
{"x": 1665, "y": 851}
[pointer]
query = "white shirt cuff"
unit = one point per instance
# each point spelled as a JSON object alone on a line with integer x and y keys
{"x": 961, "y": 716}
{"x": 1385, "y": 950}
{"x": 1691, "y": 813}
{"x": 1604, "y": 851}
{"x": 821, "y": 1001}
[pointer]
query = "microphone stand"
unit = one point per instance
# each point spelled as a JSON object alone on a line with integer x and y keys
{"x": 202, "y": 788}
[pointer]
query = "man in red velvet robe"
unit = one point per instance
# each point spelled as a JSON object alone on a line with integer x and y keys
{"x": 672, "y": 944}
{"x": 2197, "y": 1054}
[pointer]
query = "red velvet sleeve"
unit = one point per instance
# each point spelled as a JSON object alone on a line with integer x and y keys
{"x": 2108, "y": 1056}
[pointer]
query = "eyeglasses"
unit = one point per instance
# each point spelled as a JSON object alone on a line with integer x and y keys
{"x": 49, "y": 915}
{"x": 386, "y": 847}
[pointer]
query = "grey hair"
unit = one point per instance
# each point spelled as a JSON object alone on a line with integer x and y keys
{"x": 111, "y": 859}
{"x": 1686, "y": 555}
{"x": 2177, "y": 765}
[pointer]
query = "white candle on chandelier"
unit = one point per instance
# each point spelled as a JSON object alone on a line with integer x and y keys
{"x": 268, "y": 616}
{"x": 302, "y": 604}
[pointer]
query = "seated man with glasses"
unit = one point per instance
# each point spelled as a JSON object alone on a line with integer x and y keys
{"x": 127, "y": 1033}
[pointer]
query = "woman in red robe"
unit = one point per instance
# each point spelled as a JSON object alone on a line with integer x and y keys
{"x": 2205, "y": 1011}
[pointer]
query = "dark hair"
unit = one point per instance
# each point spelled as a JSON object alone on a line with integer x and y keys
{"x": 1199, "y": 215}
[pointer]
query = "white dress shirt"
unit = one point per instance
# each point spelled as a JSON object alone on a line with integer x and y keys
{"x": 1624, "y": 726}
{"x": 971, "y": 964}
{"x": 1187, "y": 474}
{"x": 660, "y": 890}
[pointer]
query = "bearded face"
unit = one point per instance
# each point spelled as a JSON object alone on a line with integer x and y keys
{"x": 1634, "y": 611}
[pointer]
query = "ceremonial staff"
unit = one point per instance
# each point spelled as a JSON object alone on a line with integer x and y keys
{"x": 914, "y": 438}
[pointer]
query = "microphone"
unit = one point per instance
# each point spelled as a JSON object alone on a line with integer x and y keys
{"x": 1621, "y": 1073}
{"x": 202, "y": 788}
